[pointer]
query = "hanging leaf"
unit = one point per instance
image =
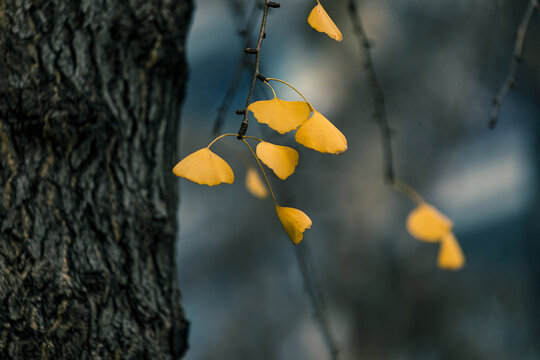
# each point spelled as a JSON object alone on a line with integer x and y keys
{"x": 450, "y": 253}
{"x": 320, "y": 21}
{"x": 319, "y": 134}
{"x": 281, "y": 159}
{"x": 205, "y": 168}
{"x": 255, "y": 185}
{"x": 294, "y": 221}
{"x": 428, "y": 224}
{"x": 282, "y": 116}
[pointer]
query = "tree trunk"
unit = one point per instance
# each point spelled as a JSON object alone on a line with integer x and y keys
{"x": 90, "y": 97}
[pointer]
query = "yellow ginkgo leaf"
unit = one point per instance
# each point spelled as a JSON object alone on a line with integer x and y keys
{"x": 205, "y": 168}
{"x": 428, "y": 224}
{"x": 294, "y": 221}
{"x": 254, "y": 184}
{"x": 282, "y": 116}
{"x": 281, "y": 159}
{"x": 319, "y": 134}
{"x": 320, "y": 21}
{"x": 450, "y": 254}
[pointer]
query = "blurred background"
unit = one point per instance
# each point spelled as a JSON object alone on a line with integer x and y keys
{"x": 440, "y": 63}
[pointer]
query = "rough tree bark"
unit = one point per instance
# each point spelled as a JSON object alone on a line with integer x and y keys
{"x": 90, "y": 96}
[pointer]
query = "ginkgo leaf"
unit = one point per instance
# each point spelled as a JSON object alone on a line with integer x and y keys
{"x": 205, "y": 168}
{"x": 450, "y": 254}
{"x": 254, "y": 184}
{"x": 427, "y": 223}
{"x": 282, "y": 116}
{"x": 320, "y": 21}
{"x": 319, "y": 134}
{"x": 294, "y": 221}
{"x": 281, "y": 159}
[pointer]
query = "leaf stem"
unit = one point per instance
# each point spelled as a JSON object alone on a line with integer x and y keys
{"x": 254, "y": 138}
{"x": 219, "y": 137}
{"x": 292, "y": 87}
{"x": 260, "y": 166}
{"x": 271, "y": 88}
{"x": 408, "y": 191}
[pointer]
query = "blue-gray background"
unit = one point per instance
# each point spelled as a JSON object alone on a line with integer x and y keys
{"x": 440, "y": 63}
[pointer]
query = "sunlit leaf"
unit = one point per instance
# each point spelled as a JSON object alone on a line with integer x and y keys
{"x": 281, "y": 159}
{"x": 282, "y": 116}
{"x": 450, "y": 254}
{"x": 428, "y": 224}
{"x": 320, "y": 21}
{"x": 319, "y": 134}
{"x": 254, "y": 184}
{"x": 205, "y": 168}
{"x": 294, "y": 221}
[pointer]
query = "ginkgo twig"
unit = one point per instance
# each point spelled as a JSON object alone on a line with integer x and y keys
{"x": 509, "y": 81}
{"x": 257, "y": 51}
{"x": 235, "y": 81}
{"x": 378, "y": 97}
{"x": 380, "y": 109}
{"x": 260, "y": 165}
{"x": 315, "y": 294}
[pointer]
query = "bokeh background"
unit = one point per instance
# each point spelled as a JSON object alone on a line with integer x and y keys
{"x": 440, "y": 63}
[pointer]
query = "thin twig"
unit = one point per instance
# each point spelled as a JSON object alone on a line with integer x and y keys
{"x": 256, "y": 74}
{"x": 380, "y": 110}
{"x": 317, "y": 299}
{"x": 509, "y": 81}
{"x": 244, "y": 32}
{"x": 378, "y": 97}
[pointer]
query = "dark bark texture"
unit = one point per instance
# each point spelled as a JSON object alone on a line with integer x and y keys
{"x": 90, "y": 97}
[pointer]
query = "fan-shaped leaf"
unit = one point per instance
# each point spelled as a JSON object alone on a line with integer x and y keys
{"x": 428, "y": 224}
{"x": 205, "y": 168}
{"x": 294, "y": 221}
{"x": 450, "y": 254}
{"x": 254, "y": 184}
{"x": 282, "y": 116}
{"x": 281, "y": 159}
{"x": 320, "y": 21}
{"x": 319, "y": 134}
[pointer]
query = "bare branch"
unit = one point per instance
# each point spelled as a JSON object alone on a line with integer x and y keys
{"x": 509, "y": 81}
{"x": 257, "y": 52}
{"x": 378, "y": 96}
{"x": 244, "y": 32}
{"x": 315, "y": 294}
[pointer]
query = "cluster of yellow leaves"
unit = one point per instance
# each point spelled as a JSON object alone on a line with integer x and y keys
{"x": 206, "y": 168}
{"x": 313, "y": 130}
{"x": 427, "y": 224}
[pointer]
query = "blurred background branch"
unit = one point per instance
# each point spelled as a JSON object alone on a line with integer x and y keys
{"x": 517, "y": 57}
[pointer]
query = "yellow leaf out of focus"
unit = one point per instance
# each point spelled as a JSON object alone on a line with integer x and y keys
{"x": 319, "y": 134}
{"x": 294, "y": 221}
{"x": 281, "y": 159}
{"x": 282, "y": 116}
{"x": 450, "y": 254}
{"x": 427, "y": 224}
{"x": 205, "y": 168}
{"x": 255, "y": 185}
{"x": 320, "y": 21}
